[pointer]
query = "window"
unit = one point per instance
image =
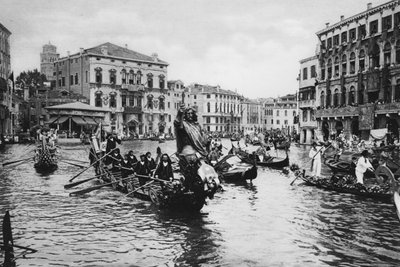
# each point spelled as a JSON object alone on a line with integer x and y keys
{"x": 123, "y": 76}
{"x": 286, "y": 122}
{"x": 216, "y": 119}
{"x": 386, "y": 23}
{"x": 329, "y": 43}
{"x": 113, "y": 100}
{"x": 139, "y": 77}
{"x": 336, "y": 66}
{"x": 272, "y": 121}
{"x": 208, "y": 107}
{"x": 336, "y": 98}
{"x": 336, "y": 40}
{"x": 112, "y": 76}
{"x": 162, "y": 102}
{"x": 343, "y": 96}
{"x": 352, "y": 96}
{"x": 322, "y": 99}
{"x": 361, "y": 32}
{"x": 162, "y": 81}
{"x": 63, "y": 81}
{"x": 123, "y": 100}
{"x": 277, "y": 113}
{"x": 150, "y": 101}
{"x": 361, "y": 60}
{"x": 99, "y": 76}
{"x": 305, "y": 74}
{"x": 294, "y": 113}
{"x": 396, "y": 19}
{"x": 328, "y": 98}
{"x": 98, "y": 101}
{"x": 323, "y": 70}
{"x": 150, "y": 80}
{"x": 313, "y": 72}
{"x": 373, "y": 27}
{"x": 131, "y": 77}
{"x": 208, "y": 96}
{"x": 86, "y": 76}
{"x": 169, "y": 105}
{"x": 387, "y": 51}
{"x": 329, "y": 68}
{"x": 208, "y": 120}
{"x": 131, "y": 101}
{"x": 344, "y": 64}
{"x": 71, "y": 79}
{"x": 352, "y": 63}
{"x": 352, "y": 35}
{"x": 344, "y": 37}
{"x": 285, "y": 112}
{"x": 277, "y": 122}
{"x": 76, "y": 78}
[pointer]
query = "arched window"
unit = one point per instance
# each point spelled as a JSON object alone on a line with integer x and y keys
{"x": 98, "y": 100}
{"x": 150, "y": 80}
{"x": 162, "y": 102}
{"x": 336, "y": 98}
{"x": 328, "y": 98}
{"x": 150, "y": 101}
{"x": 99, "y": 75}
{"x": 387, "y": 52}
{"x": 336, "y": 66}
{"x": 285, "y": 112}
{"x": 112, "y": 76}
{"x": 322, "y": 99}
{"x": 139, "y": 77}
{"x": 323, "y": 69}
{"x": 352, "y": 96}
{"x": 343, "y": 96}
{"x": 398, "y": 52}
{"x": 344, "y": 64}
{"x": 161, "y": 81}
{"x": 329, "y": 67}
{"x": 397, "y": 91}
{"x": 123, "y": 76}
{"x": 374, "y": 58}
{"x": 361, "y": 60}
{"x": 352, "y": 63}
{"x": 216, "y": 107}
{"x": 113, "y": 100}
{"x": 131, "y": 77}
{"x": 208, "y": 107}
{"x": 361, "y": 94}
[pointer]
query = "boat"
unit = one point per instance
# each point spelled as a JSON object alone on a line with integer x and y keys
{"x": 188, "y": 191}
{"x": 45, "y": 159}
{"x": 283, "y": 145}
{"x": 231, "y": 168}
{"x": 346, "y": 184}
{"x": 274, "y": 162}
{"x": 339, "y": 166}
{"x": 396, "y": 200}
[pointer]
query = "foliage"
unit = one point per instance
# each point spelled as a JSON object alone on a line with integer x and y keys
{"x": 32, "y": 80}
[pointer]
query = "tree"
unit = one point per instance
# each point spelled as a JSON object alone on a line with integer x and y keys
{"x": 32, "y": 80}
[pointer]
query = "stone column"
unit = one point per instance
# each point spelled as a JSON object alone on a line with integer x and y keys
{"x": 393, "y": 92}
{"x": 393, "y": 54}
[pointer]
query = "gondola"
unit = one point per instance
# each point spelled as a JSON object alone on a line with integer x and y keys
{"x": 274, "y": 162}
{"x": 396, "y": 200}
{"x": 283, "y": 145}
{"x": 231, "y": 168}
{"x": 345, "y": 184}
{"x": 45, "y": 159}
{"x": 339, "y": 166}
{"x": 189, "y": 190}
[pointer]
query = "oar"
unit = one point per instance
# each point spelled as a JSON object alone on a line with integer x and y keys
{"x": 73, "y": 178}
{"x": 67, "y": 186}
{"x": 77, "y": 160}
{"x": 74, "y": 164}
{"x": 15, "y": 161}
{"x": 140, "y": 187}
{"x": 21, "y": 247}
{"x": 90, "y": 189}
{"x": 297, "y": 177}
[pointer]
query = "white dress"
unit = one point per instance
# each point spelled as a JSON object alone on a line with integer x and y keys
{"x": 315, "y": 154}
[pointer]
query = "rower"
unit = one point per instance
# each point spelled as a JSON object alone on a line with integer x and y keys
{"x": 383, "y": 174}
{"x": 142, "y": 169}
{"x": 164, "y": 170}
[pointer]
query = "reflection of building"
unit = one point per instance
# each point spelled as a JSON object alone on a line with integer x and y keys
{"x": 131, "y": 85}
{"x": 359, "y": 84}
{"x": 307, "y": 102}
{"x": 48, "y": 56}
{"x": 5, "y": 90}
{"x": 218, "y": 109}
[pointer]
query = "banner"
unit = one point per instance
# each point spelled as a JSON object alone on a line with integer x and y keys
{"x": 366, "y": 118}
{"x": 378, "y": 133}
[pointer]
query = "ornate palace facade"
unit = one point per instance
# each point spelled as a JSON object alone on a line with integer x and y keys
{"x": 359, "y": 79}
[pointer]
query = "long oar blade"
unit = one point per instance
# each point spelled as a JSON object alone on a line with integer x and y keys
{"x": 87, "y": 190}
{"x": 74, "y": 164}
{"x": 15, "y": 161}
{"x": 67, "y": 186}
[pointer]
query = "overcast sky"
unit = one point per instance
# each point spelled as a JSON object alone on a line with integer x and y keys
{"x": 248, "y": 45}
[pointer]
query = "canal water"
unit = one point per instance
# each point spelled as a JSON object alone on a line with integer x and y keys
{"x": 266, "y": 223}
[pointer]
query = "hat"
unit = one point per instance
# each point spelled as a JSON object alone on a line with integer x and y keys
{"x": 314, "y": 143}
{"x": 364, "y": 153}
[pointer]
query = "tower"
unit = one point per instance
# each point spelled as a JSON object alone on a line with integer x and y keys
{"x": 47, "y": 59}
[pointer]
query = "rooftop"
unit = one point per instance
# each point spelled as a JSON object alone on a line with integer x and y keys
{"x": 77, "y": 106}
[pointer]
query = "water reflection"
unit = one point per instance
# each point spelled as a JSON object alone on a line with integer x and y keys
{"x": 266, "y": 223}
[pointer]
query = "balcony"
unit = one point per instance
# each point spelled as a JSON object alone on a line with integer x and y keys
{"x": 387, "y": 108}
{"x": 308, "y": 124}
{"x": 310, "y": 103}
{"x": 133, "y": 87}
{"x": 133, "y": 110}
{"x": 347, "y": 111}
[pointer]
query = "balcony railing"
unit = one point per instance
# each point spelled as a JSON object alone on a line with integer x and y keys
{"x": 133, "y": 110}
{"x": 133, "y": 87}
{"x": 348, "y": 111}
{"x": 309, "y": 123}
{"x": 307, "y": 103}
{"x": 387, "y": 108}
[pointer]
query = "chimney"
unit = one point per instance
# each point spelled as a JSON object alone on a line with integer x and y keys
{"x": 327, "y": 24}
{"x": 155, "y": 57}
{"x": 369, "y": 6}
{"x": 341, "y": 18}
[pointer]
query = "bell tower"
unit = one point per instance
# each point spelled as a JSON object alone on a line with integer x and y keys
{"x": 48, "y": 57}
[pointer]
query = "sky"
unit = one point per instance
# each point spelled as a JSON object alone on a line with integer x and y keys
{"x": 251, "y": 46}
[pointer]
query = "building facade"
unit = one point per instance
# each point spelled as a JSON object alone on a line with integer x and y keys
{"x": 307, "y": 99}
{"x": 359, "y": 80}
{"x": 284, "y": 114}
{"x": 48, "y": 57}
{"x": 268, "y": 110}
{"x": 5, "y": 89}
{"x": 131, "y": 85}
{"x": 219, "y": 110}
{"x": 252, "y": 115}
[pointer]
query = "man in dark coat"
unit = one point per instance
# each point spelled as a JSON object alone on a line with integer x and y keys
{"x": 164, "y": 169}
{"x": 142, "y": 169}
{"x": 112, "y": 141}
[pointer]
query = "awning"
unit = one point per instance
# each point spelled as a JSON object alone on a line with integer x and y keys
{"x": 60, "y": 120}
{"x": 79, "y": 120}
{"x": 90, "y": 121}
{"x": 51, "y": 120}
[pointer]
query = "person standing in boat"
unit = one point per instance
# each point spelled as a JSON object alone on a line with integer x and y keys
{"x": 150, "y": 161}
{"x": 116, "y": 160}
{"x": 363, "y": 164}
{"x": 164, "y": 169}
{"x": 132, "y": 160}
{"x": 159, "y": 156}
{"x": 142, "y": 169}
{"x": 188, "y": 131}
{"x": 112, "y": 141}
{"x": 315, "y": 154}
